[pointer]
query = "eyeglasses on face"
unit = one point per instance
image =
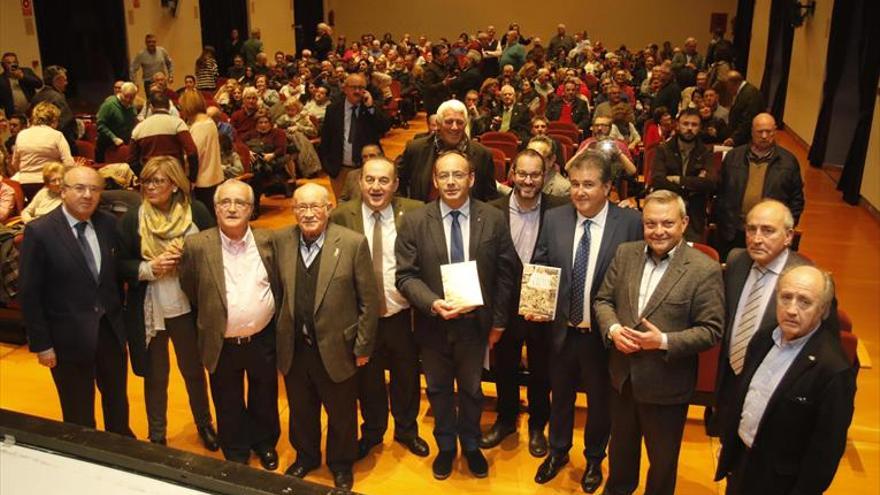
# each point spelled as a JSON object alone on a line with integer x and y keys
{"x": 227, "y": 203}
{"x": 303, "y": 209}
{"x": 155, "y": 182}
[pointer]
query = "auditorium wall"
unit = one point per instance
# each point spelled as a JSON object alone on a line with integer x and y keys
{"x": 18, "y": 33}
{"x": 181, "y": 34}
{"x": 275, "y": 20}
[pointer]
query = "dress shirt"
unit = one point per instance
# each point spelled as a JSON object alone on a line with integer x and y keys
{"x": 310, "y": 252}
{"x": 765, "y": 380}
{"x": 774, "y": 269}
{"x": 91, "y": 235}
{"x": 347, "y": 157}
{"x": 597, "y": 227}
{"x": 652, "y": 273}
{"x": 524, "y": 225}
{"x": 465, "y": 223}
{"x": 506, "y": 115}
{"x": 249, "y": 299}
{"x": 394, "y": 301}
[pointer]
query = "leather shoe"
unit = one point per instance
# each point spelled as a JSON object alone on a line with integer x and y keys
{"x": 550, "y": 468}
{"x": 477, "y": 463}
{"x": 442, "y": 465}
{"x": 159, "y": 441}
{"x": 268, "y": 458}
{"x": 298, "y": 470}
{"x": 537, "y": 443}
{"x": 209, "y": 437}
{"x": 592, "y": 477}
{"x": 343, "y": 480}
{"x": 416, "y": 445}
{"x": 364, "y": 447}
{"x": 495, "y": 435}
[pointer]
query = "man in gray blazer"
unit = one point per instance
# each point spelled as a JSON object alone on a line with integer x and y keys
{"x": 230, "y": 277}
{"x": 378, "y": 214}
{"x": 326, "y": 331}
{"x": 661, "y": 304}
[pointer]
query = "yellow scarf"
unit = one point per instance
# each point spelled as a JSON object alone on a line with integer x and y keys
{"x": 159, "y": 231}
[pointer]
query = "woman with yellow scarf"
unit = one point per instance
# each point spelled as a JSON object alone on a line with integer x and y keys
{"x": 156, "y": 309}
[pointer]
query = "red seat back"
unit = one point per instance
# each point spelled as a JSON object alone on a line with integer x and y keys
{"x": 118, "y": 154}
{"x": 85, "y": 149}
{"x": 499, "y": 136}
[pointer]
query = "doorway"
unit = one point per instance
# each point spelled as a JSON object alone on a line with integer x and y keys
{"x": 307, "y": 15}
{"x": 218, "y": 19}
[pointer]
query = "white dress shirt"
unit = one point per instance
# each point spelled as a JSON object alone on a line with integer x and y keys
{"x": 394, "y": 301}
{"x": 597, "y": 228}
{"x": 465, "y": 223}
{"x": 249, "y": 299}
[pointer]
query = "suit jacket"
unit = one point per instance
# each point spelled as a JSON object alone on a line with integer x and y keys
{"x": 668, "y": 96}
{"x": 62, "y": 302}
{"x": 696, "y": 186}
{"x": 802, "y": 434}
{"x": 346, "y": 307}
{"x": 129, "y": 261}
{"x": 350, "y": 216}
{"x": 580, "y": 114}
{"x": 416, "y": 170}
{"x": 782, "y": 181}
{"x": 520, "y": 121}
{"x": 421, "y": 249}
{"x": 687, "y": 305}
{"x": 555, "y": 246}
{"x": 434, "y": 92}
{"x": 204, "y": 283}
{"x": 370, "y": 127}
{"x": 747, "y": 104}
{"x": 29, "y": 84}
{"x": 680, "y": 59}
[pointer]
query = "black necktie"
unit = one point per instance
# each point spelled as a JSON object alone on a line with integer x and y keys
{"x": 456, "y": 241}
{"x": 353, "y": 124}
{"x": 579, "y": 277}
{"x": 86, "y": 249}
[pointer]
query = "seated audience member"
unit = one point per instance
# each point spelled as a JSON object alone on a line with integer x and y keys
{"x": 38, "y": 145}
{"x": 236, "y": 71}
{"x": 295, "y": 120}
{"x": 189, "y": 84}
{"x": 710, "y": 97}
{"x": 163, "y": 134}
{"x": 294, "y": 88}
{"x": 224, "y": 128}
{"x": 490, "y": 98}
{"x": 569, "y": 108}
{"x": 660, "y": 128}
{"x": 17, "y": 122}
{"x": 207, "y": 71}
{"x": 268, "y": 149}
{"x": 157, "y": 310}
{"x": 229, "y": 159}
{"x": 268, "y": 96}
{"x": 533, "y": 100}
{"x": 511, "y": 116}
{"x": 49, "y": 197}
{"x": 116, "y": 119}
{"x": 244, "y": 119}
{"x": 613, "y": 96}
{"x": 615, "y": 150}
{"x": 713, "y": 130}
{"x": 554, "y": 184}
{"x": 622, "y": 127}
{"x": 206, "y": 138}
{"x": 223, "y": 96}
{"x": 7, "y": 201}
{"x": 539, "y": 128}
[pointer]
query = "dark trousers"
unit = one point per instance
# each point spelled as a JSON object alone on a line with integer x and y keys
{"x": 736, "y": 479}
{"x": 459, "y": 364}
{"x": 582, "y": 360}
{"x": 181, "y": 331}
{"x": 252, "y": 424}
{"x": 75, "y": 382}
{"x": 308, "y": 388}
{"x": 395, "y": 350}
{"x": 661, "y": 426}
{"x": 508, "y": 352}
{"x": 725, "y": 398}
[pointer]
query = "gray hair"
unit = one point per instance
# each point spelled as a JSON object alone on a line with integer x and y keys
{"x": 665, "y": 197}
{"x": 233, "y": 182}
{"x": 450, "y": 106}
{"x": 828, "y": 288}
{"x": 787, "y": 217}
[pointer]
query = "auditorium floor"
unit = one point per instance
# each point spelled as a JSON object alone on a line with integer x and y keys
{"x": 838, "y": 237}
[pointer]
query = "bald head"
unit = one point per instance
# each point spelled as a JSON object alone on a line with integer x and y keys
{"x": 310, "y": 191}
{"x": 803, "y": 299}
{"x": 763, "y": 132}
{"x": 734, "y": 78}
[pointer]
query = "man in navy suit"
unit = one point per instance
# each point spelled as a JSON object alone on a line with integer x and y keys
{"x": 70, "y": 299}
{"x": 581, "y": 239}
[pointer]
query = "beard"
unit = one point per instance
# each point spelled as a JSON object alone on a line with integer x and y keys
{"x": 686, "y": 138}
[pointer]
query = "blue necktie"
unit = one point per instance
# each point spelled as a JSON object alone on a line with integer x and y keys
{"x": 86, "y": 249}
{"x": 456, "y": 241}
{"x": 579, "y": 277}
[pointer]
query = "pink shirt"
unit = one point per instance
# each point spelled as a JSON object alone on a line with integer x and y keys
{"x": 35, "y": 147}
{"x": 249, "y": 298}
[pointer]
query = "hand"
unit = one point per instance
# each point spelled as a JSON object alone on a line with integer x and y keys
{"x": 253, "y": 156}
{"x": 268, "y": 156}
{"x": 651, "y": 338}
{"x": 446, "y": 310}
{"x": 495, "y": 335}
{"x": 164, "y": 263}
{"x": 728, "y": 142}
{"x": 675, "y": 179}
{"x": 623, "y": 342}
{"x": 628, "y": 203}
{"x": 47, "y": 358}
{"x": 368, "y": 99}
{"x": 536, "y": 318}
{"x": 118, "y": 142}
{"x": 361, "y": 360}
{"x": 17, "y": 73}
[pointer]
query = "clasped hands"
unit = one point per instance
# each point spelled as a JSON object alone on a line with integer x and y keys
{"x": 167, "y": 262}
{"x": 629, "y": 340}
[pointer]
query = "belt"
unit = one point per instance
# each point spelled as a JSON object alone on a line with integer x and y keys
{"x": 239, "y": 340}
{"x": 580, "y": 330}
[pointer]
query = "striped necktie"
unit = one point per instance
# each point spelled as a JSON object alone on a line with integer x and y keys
{"x": 748, "y": 322}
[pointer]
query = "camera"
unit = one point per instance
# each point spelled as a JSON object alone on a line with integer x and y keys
{"x": 13, "y": 66}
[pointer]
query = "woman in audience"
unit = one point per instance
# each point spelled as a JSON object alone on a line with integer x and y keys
{"x": 232, "y": 166}
{"x": 489, "y": 101}
{"x": 268, "y": 147}
{"x": 317, "y": 106}
{"x": 712, "y": 129}
{"x": 38, "y": 145}
{"x": 622, "y": 127}
{"x": 295, "y": 120}
{"x": 206, "y": 137}
{"x": 156, "y": 309}
{"x": 49, "y": 197}
{"x": 223, "y": 96}
{"x": 268, "y": 96}
{"x": 294, "y": 88}
{"x": 531, "y": 98}
{"x": 206, "y": 70}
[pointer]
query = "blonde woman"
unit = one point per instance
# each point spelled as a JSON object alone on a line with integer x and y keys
{"x": 38, "y": 145}
{"x": 49, "y": 197}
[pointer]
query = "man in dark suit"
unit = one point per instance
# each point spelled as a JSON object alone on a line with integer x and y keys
{"x": 237, "y": 329}
{"x": 416, "y": 164}
{"x": 581, "y": 239}
{"x": 748, "y": 102}
{"x": 70, "y": 299}
{"x": 17, "y": 85}
{"x": 569, "y": 108}
{"x": 524, "y": 210}
{"x": 512, "y": 116}
{"x": 794, "y": 403}
{"x": 759, "y": 169}
{"x": 377, "y": 214}
{"x": 349, "y": 124}
{"x": 453, "y": 336}
{"x": 661, "y": 304}
{"x": 669, "y": 94}
{"x": 437, "y": 80}
{"x": 326, "y": 331}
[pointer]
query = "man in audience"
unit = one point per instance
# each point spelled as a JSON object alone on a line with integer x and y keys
{"x": 251, "y": 47}
{"x": 524, "y": 210}
{"x": 555, "y": 184}
{"x": 17, "y": 85}
{"x": 116, "y": 119}
{"x": 669, "y": 93}
{"x": 756, "y": 170}
{"x": 618, "y": 153}
{"x": 163, "y": 134}
{"x": 710, "y": 98}
{"x": 377, "y": 214}
{"x": 453, "y": 336}
{"x": 701, "y": 84}
{"x": 514, "y": 53}
{"x": 151, "y": 60}
{"x": 470, "y": 77}
{"x": 612, "y": 97}
{"x": 72, "y": 309}
{"x": 748, "y": 102}
{"x": 569, "y": 108}
{"x": 683, "y": 165}
{"x": 160, "y": 83}
{"x": 491, "y": 51}
{"x": 543, "y": 85}
{"x": 348, "y": 126}
{"x": 794, "y": 404}
{"x": 581, "y": 239}
{"x": 661, "y": 304}
{"x": 687, "y": 62}
{"x": 237, "y": 329}
{"x": 437, "y": 81}
{"x": 244, "y": 120}
{"x": 561, "y": 41}
{"x": 512, "y": 116}
{"x": 326, "y": 331}
{"x": 55, "y": 78}
{"x": 417, "y": 161}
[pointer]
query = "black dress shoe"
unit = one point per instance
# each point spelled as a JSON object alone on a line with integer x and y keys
{"x": 159, "y": 441}
{"x": 442, "y": 466}
{"x": 299, "y": 470}
{"x": 209, "y": 437}
{"x": 343, "y": 480}
{"x": 592, "y": 476}
{"x": 495, "y": 435}
{"x": 268, "y": 458}
{"x": 550, "y": 468}
{"x": 537, "y": 443}
{"x": 364, "y": 447}
{"x": 416, "y": 445}
{"x": 477, "y": 463}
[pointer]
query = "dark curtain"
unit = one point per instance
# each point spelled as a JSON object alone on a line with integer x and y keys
{"x": 219, "y": 18}
{"x": 774, "y": 84}
{"x": 742, "y": 34}
{"x": 308, "y": 14}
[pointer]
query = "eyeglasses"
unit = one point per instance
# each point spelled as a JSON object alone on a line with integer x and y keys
{"x": 155, "y": 182}
{"x": 227, "y": 203}
{"x": 446, "y": 176}
{"x": 82, "y": 188}
{"x": 303, "y": 209}
{"x": 523, "y": 175}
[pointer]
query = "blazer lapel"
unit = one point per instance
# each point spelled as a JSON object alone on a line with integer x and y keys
{"x": 329, "y": 259}
{"x": 673, "y": 273}
{"x": 566, "y": 243}
{"x": 106, "y": 249}
{"x": 398, "y": 212}
{"x": 608, "y": 245}
{"x": 476, "y": 231}
{"x": 69, "y": 239}
{"x": 435, "y": 226}
{"x": 357, "y": 218}
{"x": 214, "y": 253}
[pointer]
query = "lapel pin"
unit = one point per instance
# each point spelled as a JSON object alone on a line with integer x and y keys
{"x": 336, "y": 252}
{"x": 811, "y": 357}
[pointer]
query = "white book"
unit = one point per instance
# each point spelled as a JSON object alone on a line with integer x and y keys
{"x": 461, "y": 284}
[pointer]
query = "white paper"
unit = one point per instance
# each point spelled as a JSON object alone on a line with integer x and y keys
{"x": 461, "y": 284}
